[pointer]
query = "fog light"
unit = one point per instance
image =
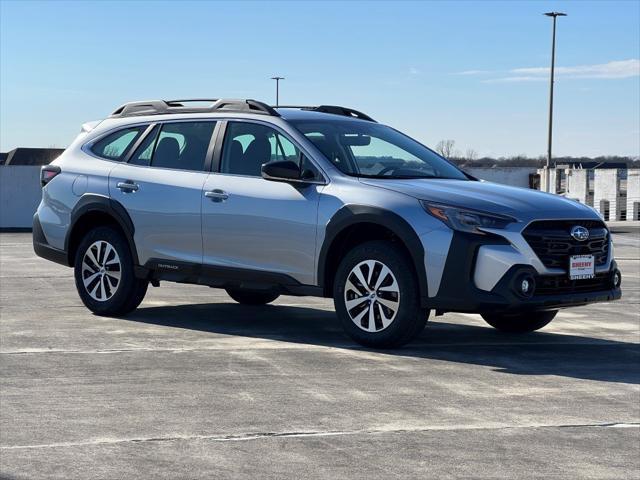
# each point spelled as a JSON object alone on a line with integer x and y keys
{"x": 617, "y": 278}
{"x": 525, "y": 285}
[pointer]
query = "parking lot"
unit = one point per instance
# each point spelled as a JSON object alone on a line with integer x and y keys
{"x": 193, "y": 385}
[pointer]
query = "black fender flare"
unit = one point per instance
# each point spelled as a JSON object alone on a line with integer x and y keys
{"x": 350, "y": 215}
{"x": 98, "y": 203}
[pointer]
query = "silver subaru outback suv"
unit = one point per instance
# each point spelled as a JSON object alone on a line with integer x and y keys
{"x": 321, "y": 201}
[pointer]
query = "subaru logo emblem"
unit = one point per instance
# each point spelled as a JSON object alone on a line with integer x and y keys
{"x": 580, "y": 233}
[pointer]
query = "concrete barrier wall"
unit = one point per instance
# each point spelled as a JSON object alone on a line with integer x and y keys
{"x": 633, "y": 194}
{"x": 514, "y": 176}
{"x": 606, "y": 193}
{"x": 578, "y": 186}
{"x": 553, "y": 180}
{"x": 20, "y": 195}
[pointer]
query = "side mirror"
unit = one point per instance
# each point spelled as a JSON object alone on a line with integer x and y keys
{"x": 281, "y": 171}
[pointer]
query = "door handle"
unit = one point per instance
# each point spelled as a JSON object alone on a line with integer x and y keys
{"x": 127, "y": 186}
{"x": 217, "y": 195}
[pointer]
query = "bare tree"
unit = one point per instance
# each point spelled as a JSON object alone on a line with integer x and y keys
{"x": 471, "y": 154}
{"x": 445, "y": 148}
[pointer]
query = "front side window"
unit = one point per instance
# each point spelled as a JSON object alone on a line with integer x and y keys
{"x": 247, "y": 146}
{"x": 367, "y": 149}
{"x": 116, "y": 145}
{"x": 180, "y": 145}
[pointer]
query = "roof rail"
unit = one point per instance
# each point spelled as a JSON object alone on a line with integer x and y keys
{"x": 180, "y": 103}
{"x": 163, "y": 107}
{"x": 244, "y": 105}
{"x": 334, "y": 109}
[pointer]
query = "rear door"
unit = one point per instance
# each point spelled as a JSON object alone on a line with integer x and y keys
{"x": 161, "y": 188}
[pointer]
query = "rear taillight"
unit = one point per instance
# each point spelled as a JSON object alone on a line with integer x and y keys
{"x": 47, "y": 173}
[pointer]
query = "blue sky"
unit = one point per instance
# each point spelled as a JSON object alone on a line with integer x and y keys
{"x": 475, "y": 72}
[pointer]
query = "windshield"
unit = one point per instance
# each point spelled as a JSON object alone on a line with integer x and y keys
{"x": 367, "y": 149}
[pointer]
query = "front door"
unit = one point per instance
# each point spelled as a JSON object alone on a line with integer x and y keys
{"x": 252, "y": 223}
{"x": 161, "y": 189}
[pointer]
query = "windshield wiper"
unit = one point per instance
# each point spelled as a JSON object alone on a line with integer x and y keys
{"x": 405, "y": 177}
{"x": 410, "y": 177}
{"x": 399, "y": 177}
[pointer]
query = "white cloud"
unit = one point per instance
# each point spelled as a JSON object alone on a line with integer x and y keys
{"x": 514, "y": 79}
{"x": 414, "y": 71}
{"x": 473, "y": 72}
{"x": 617, "y": 69}
{"x": 611, "y": 70}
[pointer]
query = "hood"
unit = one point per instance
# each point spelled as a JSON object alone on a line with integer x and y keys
{"x": 487, "y": 197}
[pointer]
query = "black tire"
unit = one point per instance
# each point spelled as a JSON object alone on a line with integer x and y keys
{"x": 130, "y": 290}
{"x": 521, "y": 322}
{"x": 252, "y": 297}
{"x": 410, "y": 317}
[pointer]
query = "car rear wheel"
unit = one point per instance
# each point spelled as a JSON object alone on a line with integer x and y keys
{"x": 520, "y": 322}
{"x": 252, "y": 297}
{"x": 376, "y": 296}
{"x": 104, "y": 273}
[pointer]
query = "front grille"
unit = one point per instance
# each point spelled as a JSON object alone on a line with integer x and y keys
{"x": 552, "y": 242}
{"x": 561, "y": 284}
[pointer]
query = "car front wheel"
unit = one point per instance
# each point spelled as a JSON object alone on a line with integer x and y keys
{"x": 376, "y": 296}
{"x": 521, "y": 322}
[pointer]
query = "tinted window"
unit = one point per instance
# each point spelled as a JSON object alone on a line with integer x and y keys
{"x": 247, "y": 146}
{"x": 116, "y": 145}
{"x": 180, "y": 145}
{"x": 369, "y": 149}
{"x": 143, "y": 154}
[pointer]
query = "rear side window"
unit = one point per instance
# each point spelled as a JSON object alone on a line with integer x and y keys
{"x": 181, "y": 146}
{"x": 116, "y": 145}
{"x": 142, "y": 155}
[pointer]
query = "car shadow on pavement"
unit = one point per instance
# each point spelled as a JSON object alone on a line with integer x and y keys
{"x": 539, "y": 353}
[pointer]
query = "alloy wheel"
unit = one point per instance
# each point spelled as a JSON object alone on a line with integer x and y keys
{"x": 101, "y": 271}
{"x": 372, "y": 295}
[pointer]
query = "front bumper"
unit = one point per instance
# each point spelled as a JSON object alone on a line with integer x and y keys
{"x": 498, "y": 291}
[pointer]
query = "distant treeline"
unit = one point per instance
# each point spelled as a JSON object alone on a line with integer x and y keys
{"x": 539, "y": 162}
{"x": 447, "y": 149}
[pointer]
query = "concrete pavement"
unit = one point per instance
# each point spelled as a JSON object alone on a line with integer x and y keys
{"x": 193, "y": 385}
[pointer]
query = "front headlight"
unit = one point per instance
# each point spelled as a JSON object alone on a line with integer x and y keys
{"x": 465, "y": 220}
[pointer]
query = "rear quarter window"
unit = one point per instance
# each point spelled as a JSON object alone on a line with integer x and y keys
{"x": 116, "y": 145}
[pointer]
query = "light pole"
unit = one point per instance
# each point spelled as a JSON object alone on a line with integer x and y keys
{"x": 553, "y": 15}
{"x": 277, "y": 79}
